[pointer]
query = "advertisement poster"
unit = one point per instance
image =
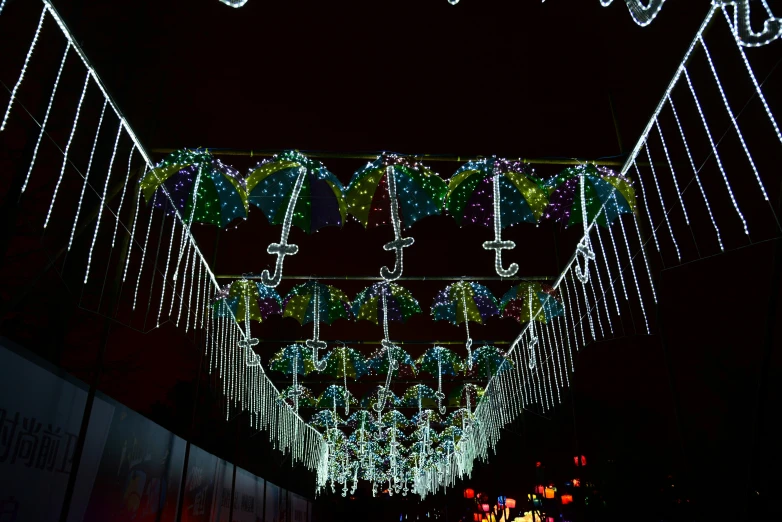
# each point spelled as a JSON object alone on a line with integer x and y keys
{"x": 140, "y": 472}
{"x": 200, "y": 488}
{"x": 276, "y": 503}
{"x": 224, "y": 476}
{"x": 298, "y": 508}
{"x": 40, "y": 419}
{"x": 248, "y": 501}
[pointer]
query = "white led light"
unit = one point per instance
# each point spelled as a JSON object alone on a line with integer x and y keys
{"x": 282, "y": 248}
{"x": 86, "y": 178}
{"x": 399, "y": 243}
{"x": 133, "y": 229}
{"x": 144, "y": 250}
{"x": 23, "y": 71}
{"x": 660, "y": 196}
{"x": 46, "y": 116}
{"x": 635, "y": 278}
{"x": 695, "y": 172}
{"x": 122, "y": 197}
{"x": 646, "y": 206}
{"x": 102, "y": 203}
{"x": 498, "y": 245}
{"x": 716, "y": 154}
{"x": 168, "y": 261}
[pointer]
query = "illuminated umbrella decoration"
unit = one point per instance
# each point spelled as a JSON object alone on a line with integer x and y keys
{"x": 390, "y": 186}
{"x": 395, "y": 419}
{"x": 361, "y": 420}
{"x": 386, "y": 302}
{"x": 203, "y": 189}
{"x": 463, "y": 302}
{"x": 298, "y": 394}
{"x": 293, "y": 360}
{"x": 490, "y": 361}
{"x": 334, "y": 396}
{"x": 440, "y": 361}
{"x": 465, "y": 395}
{"x": 420, "y": 396}
{"x": 244, "y": 296}
{"x": 586, "y": 194}
{"x": 343, "y": 362}
{"x": 404, "y": 365}
{"x": 292, "y": 189}
{"x": 314, "y": 302}
{"x": 327, "y": 419}
{"x": 370, "y": 400}
{"x": 531, "y": 300}
{"x": 496, "y": 192}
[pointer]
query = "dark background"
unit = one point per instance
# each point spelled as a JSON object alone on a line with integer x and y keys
{"x": 676, "y": 424}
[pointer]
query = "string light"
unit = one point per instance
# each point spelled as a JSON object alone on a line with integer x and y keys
{"x": 696, "y": 173}
{"x": 46, "y": 116}
{"x": 122, "y": 196}
{"x": 86, "y": 178}
{"x": 716, "y": 154}
{"x": 165, "y": 273}
{"x": 102, "y": 203}
{"x": 23, "y": 71}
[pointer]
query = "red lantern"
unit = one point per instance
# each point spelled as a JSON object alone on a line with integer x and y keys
{"x": 510, "y": 503}
{"x": 539, "y": 490}
{"x": 477, "y": 517}
{"x": 567, "y": 499}
{"x": 583, "y": 460}
{"x": 469, "y": 493}
{"x": 576, "y": 483}
{"x": 485, "y": 508}
{"x": 551, "y": 492}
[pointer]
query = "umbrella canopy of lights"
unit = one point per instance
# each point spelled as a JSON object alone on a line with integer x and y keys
{"x": 361, "y": 419}
{"x": 398, "y": 190}
{"x": 489, "y": 360}
{"x": 527, "y": 300}
{"x": 420, "y": 396}
{"x": 586, "y": 194}
{"x": 386, "y": 302}
{"x": 327, "y": 419}
{"x": 373, "y": 397}
{"x": 335, "y": 396}
{"x": 440, "y": 361}
{"x": 314, "y": 302}
{"x": 298, "y": 395}
{"x": 379, "y": 362}
{"x": 203, "y": 189}
{"x": 395, "y": 419}
{"x": 465, "y": 395}
{"x": 499, "y": 193}
{"x": 343, "y": 362}
{"x": 292, "y": 360}
{"x": 463, "y": 302}
{"x": 292, "y": 189}
{"x": 245, "y": 297}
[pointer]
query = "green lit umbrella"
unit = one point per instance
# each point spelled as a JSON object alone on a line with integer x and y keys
{"x": 292, "y": 189}
{"x": 314, "y": 302}
{"x": 489, "y": 360}
{"x": 440, "y": 361}
{"x": 398, "y": 190}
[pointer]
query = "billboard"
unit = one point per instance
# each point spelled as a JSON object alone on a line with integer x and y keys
{"x": 40, "y": 420}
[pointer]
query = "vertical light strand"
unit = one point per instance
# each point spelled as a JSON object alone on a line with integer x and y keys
{"x": 660, "y": 195}
{"x": 696, "y": 174}
{"x": 578, "y": 309}
{"x": 716, "y": 153}
{"x": 184, "y": 281}
{"x": 670, "y": 167}
{"x": 165, "y": 273}
{"x": 733, "y": 117}
{"x": 618, "y": 263}
{"x": 587, "y": 308}
{"x": 144, "y": 250}
{"x": 597, "y": 303}
{"x": 751, "y": 73}
{"x": 133, "y": 229}
{"x": 122, "y": 196}
{"x": 646, "y": 206}
{"x": 563, "y": 353}
{"x": 175, "y": 274}
{"x": 554, "y": 355}
{"x": 603, "y": 298}
{"x": 190, "y": 305}
{"x": 46, "y": 116}
{"x": 24, "y": 69}
{"x": 643, "y": 254}
{"x": 102, "y": 203}
{"x": 607, "y": 266}
{"x": 635, "y": 278}
{"x": 569, "y": 309}
{"x": 567, "y": 328}
{"x": 86, "y": 178}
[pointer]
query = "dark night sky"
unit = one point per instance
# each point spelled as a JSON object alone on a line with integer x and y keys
{"x": 517, "y": 78}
